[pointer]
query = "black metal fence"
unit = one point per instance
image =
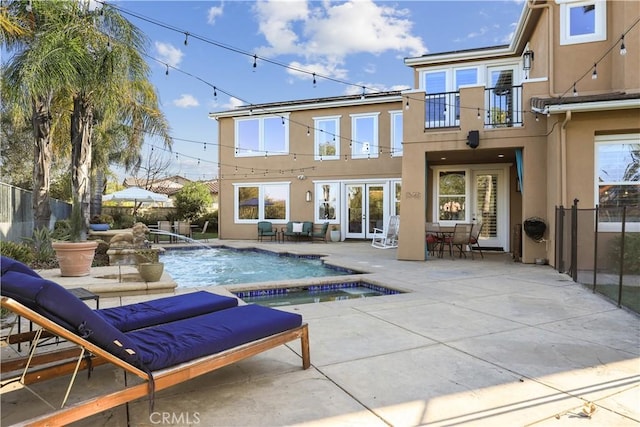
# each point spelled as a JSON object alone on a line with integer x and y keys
{"x": 16, "y": 212}
{"x": 600, "y": 247}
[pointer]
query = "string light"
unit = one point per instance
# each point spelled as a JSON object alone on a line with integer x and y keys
{"x": 314, "y": 79}
{"x": 478, "y": 114}
{"x": 537, "y": 118}
{"x": 166, "y": 73}
{"x": 215, "y": 93}
{"x": 363, "y": 89}
{"x": 623, "y": 48}
{"x": 575, "y": 92}
{"x": 186, "y": 39}
{"x": 308, "y": 131}
{"x": 205, "y": 146}
{"x": 255, "y": 62}
{"x": 594, "y": 75}
{"x": 406, "y": 106}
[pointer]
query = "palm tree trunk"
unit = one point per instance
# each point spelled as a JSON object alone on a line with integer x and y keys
{"x": 81, "y": 129}
{"x": 41, "y": 121}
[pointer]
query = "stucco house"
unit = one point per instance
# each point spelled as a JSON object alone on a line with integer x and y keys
{"x": 498, "y": 135}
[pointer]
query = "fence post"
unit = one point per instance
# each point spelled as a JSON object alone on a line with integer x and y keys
{"x": 559, "y": 239}
{"x": 624, "y": 222}
{"x": 595, "y": 247}
{"x": 574, "y": 240}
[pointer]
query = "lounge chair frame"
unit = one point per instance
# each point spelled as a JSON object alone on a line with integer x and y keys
{"x": 162, "y": 379}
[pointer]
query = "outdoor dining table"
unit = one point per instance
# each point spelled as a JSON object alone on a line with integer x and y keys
{"x": 443, "y": 235}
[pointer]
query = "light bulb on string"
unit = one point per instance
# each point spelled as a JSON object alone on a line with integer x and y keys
{"x": 255, "y": 62}
{"x": 406, "y": 106}
{"x": 594, "y": 75}
{"x": 205, "y": 146}
{"x": 478, "y": 114}
{"x": 623, "y": 48}
{"x": 166, "y": 73}
{"x": 215, "y": 93}
{"x": 314, "y": 79}
{"x": 308, "y": 131}
{"x": 295, "y": 157}
{"x": 575, "y": 92}
{"x": 186, "y": 39}
{"x": 537, "y": 118}
{"x": 362, "y": 96}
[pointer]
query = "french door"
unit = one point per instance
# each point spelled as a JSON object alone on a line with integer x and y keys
{"x": 489, "y": 207}
{"x": 475, "y": 194}
{"x": 365, "y": 209}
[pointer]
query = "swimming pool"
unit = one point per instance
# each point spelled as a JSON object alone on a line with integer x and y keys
{"x": 313, "y": 293}
{"x": 224, "y": 266}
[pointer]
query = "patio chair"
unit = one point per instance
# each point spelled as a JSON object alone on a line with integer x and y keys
{"x": 433, "y": 237}
{"x": 321, "y": 234}
{"x": 265, "y": 229}
{"x": 459, "y": 238}
{"x": 387, "y": 238}
{"x": 204, "y": 231}
{"x": 165, "y": 227}
{"x": 183, "y": 228}
{"x": 207, "y": 342}
{"x": 474, "y": 239}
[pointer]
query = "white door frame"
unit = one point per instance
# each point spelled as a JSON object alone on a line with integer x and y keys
{"x": 502, "y": 225}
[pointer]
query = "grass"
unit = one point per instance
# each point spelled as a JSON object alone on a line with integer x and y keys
{"x": 630, "y": 295}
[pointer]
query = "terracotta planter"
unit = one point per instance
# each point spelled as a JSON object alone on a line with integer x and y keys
{"x": 75, "y": 258}
{"x": 151, "y": 271}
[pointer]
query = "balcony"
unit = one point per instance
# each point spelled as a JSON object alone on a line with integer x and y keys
{"x": 503, "y": 108}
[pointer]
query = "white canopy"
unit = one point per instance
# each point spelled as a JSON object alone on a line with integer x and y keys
{"x": 135, "y": 194}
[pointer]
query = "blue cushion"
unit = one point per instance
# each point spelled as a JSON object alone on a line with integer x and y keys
{"x": 163, "y": 310}
{"x": 177, "y": 342}
{"x": 60, "y": 306}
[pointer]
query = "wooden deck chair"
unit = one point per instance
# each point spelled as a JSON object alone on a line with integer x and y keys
{"x": 214, "y": 340}
{"x": 388, "y": 237}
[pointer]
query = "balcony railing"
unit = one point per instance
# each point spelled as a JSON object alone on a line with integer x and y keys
{"x": 503, "y": 108}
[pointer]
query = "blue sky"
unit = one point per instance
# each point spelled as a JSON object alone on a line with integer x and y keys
{"x": 361, "y": 42}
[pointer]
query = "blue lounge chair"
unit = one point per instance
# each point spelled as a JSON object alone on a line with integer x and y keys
{"x": 162, "y": 355}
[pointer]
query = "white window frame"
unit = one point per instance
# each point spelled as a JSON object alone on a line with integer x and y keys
{"x": 318, "y": 134}
{"x": 261, "y": 186}
{"x": 622, "y": 139}
{"x": 516, "y": 111}
{"x": 396, "y": 146}
{"x": 261, "y": 151}
{"x": 357, "y": 149}
{"x": 319, "y": 199}
{"x": 395, "y": 202}
{"x": 600, "y": 31}
{"x": 450, "y": 85}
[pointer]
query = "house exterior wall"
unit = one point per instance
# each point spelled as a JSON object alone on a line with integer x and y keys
{"x": 300, "y": 161}
{"x": 557, "y": 145}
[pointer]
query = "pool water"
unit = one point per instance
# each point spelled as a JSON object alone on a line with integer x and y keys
{"x": 223, "y": 266}
{"x": 313, "y": 293}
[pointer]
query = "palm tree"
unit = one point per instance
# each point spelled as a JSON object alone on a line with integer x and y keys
{"x": 45, "y": 64}
{"x": 114, "y": 94}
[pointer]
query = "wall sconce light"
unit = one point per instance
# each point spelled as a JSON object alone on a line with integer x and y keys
{"x": 308, "y": 196}
{"x": 527, "y": 59}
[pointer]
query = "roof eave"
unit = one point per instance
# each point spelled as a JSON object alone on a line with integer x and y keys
{"x": 315, "y": 105}
{"x": 623, "y": 104}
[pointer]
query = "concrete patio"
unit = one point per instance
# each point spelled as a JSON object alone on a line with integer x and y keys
{"x": 484, "y": 342}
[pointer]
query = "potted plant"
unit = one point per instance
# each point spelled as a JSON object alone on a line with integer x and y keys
{"x": 334, "y": 234}
{"x": 101, "y": 222}
{"x": 75, "y": 254}
{"x": 149, "y": 265}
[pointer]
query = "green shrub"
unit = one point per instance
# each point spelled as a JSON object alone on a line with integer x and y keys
{"x": 43, "y": 253}
{"x": 18, "y": 251}
{"x": 122, "y": 220}
{"x": 631, "y": 253}
{"x": 192, "y": 201}
{"x": 212, "y": 217}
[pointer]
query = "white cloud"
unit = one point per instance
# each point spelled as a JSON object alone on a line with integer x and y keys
{"x": 186, "y": 101}
{"x": 213, "y": 13}
{"x": 233, "y": 103}
{"x": 169, "y": 54}
{"x": 326, "y": 32}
